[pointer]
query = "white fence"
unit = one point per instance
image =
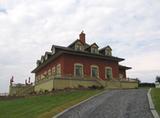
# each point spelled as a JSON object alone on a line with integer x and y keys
{"x": 3, "y": 94}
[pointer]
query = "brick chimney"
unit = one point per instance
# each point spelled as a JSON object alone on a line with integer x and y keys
{"x": 82, "y": 37}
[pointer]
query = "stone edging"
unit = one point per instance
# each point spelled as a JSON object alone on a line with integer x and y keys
{"x": 151, "y": 105}
{"x": 59, "y": 114}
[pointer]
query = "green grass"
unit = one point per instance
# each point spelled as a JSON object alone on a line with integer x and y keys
{"x": 155, "y": 93}
{"x": 42, "y": 106}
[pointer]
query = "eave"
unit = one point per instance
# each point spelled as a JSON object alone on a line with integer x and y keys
{"x": 78, "y": 53}
{"x": 124, "y": 67}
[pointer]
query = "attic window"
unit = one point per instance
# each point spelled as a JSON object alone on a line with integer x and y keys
{"x": 53, "y": 50}
{"x": 42, "y": 60}
{"x": 46, "y": 57}
{"x": 78, "y": 47}
{"x": 94, "y": 50}
{"x": 108, "y": 52}
{"x": 38, "y": 63}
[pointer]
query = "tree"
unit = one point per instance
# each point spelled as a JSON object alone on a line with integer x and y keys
{"x": 158, "y": 79}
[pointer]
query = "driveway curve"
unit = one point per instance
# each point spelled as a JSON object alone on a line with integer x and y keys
{"x": 131, "y": 103}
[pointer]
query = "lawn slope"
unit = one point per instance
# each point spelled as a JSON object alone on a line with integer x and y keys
{"x": 155, "y": 93}
{"x": 42, "y": 106}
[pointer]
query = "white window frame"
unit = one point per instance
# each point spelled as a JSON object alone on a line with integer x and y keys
{"x": 53, "y": 50}
{"x": 78, "y": 64}
{"x": 53, "y": 70}
{"x": 106, "y": 72}
{"x": 46, "y": 57}
{"x": 81, "y": 48}
{"x": 60, "y": 71}
{"x": 42, "y": 60}
{"x": 94, "y": 49}
{"x": 94, "y": 66}
{"x": 108, "y": 52}
{"x": 49, "y": 72}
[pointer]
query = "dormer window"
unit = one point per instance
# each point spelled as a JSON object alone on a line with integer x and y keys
{"x": 38, "y": 62}
{"x": 42, "y": 59}
{"x": 108, "y": 52}
{"x": 53, "y": 50}
{"x": 79, "y": 46}
{"x": 94, "y": 50}
{"x": 46, "y": 57}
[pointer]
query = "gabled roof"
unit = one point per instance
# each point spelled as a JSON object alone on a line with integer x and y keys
{"x": 66, "y": 50}
{"x": 46, "y": 62}
{"x": 92, "y": 45}
{"x": 105, "y": 48}
{"x": 48, "y": 53}
{"x": 42, "y": 57}
{"x": 73, "y": 43}
{"x": 38, "y": 61}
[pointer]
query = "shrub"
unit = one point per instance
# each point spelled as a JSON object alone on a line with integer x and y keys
{"x": 95, "y": 87}
{"x": 80, "y": 86}
{"x": 146, "y": 85}
{"x": 46, "y": 91}
{"x": 158, "y": 79}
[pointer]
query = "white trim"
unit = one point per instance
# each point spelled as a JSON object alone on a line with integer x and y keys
{"x": 78, "y": 64}
{"x": 94, "y": 50}
{"x": 106, "y": 72}
{"x": 53, "y": 70}
{"x": 60, "y": 71}
{"x": 108, "y": 52}
{"x": 79, "y": 44}
{"x": 42, "y": 59}
{"x": 46, "y": 56}
{"x": 53, "y": 50}
{"x": 95, "y": 66}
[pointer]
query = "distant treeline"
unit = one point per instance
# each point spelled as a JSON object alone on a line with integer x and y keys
{"x": 146, "y": 85}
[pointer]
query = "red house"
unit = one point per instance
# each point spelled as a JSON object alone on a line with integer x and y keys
{"x": 80, "y": 61}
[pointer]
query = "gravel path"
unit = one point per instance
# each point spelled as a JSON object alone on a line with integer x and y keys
{"x": 113, "y": 104}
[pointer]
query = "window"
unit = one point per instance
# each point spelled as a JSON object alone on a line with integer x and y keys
{"x": 38, "y": 62}
{"x": 94, "y": 71}
{"x": 108, "y": 73}
{"x": 45, "y": 74}
{"x": 78, "y": 70}
{"x": 49, "y": 72}
{"x": 42, "y": 60}
{"x": 58, "y": 70}
{"x": 94, "y": 50}
{"x": 108, "y": 52}
{"x": 53, "y": 71}
{"x": 53, "y": 50}
{"x": 78, "y": 47}
{"x": 46, "y": 57}
{"x": 42, "y": 76}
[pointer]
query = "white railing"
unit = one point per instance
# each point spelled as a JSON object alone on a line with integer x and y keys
{"x": 4, "y": 94}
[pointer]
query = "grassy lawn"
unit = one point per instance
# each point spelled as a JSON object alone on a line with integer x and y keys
{"x": 42, "y": 106}
{"x": 155, "y": 93}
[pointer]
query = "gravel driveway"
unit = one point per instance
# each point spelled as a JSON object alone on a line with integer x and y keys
{"x": 113, "y": 104}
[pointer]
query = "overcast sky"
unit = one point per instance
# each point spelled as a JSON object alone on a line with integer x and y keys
{"x": 28, "y": 28}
